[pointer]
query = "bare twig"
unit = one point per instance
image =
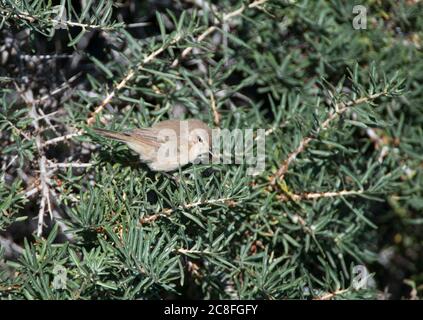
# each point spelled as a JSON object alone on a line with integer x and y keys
{"x": 47, "y": 120}
{"x": 168, "y": 212}
{"x": 44, "y": 56}
{"x": 226, "y": 17}
{"x": 48, "y": 115}
{"x": 216, "y": 115}
{"x": 137, "y": 24}
{"x": 45, "y": 195}
{"x": 185, "y": 251}
{"x": 110, "y": 96}
{"x": 339, "y": 109}
{"x": 42, "y": 161}
{"x": 10, "y": 163}
{"x": 53, "y": 165}
{"x": 256, "y": 3}
{"x": 63, "y": 138}
{"x": 59, "y": 89}
{"x": 30, "y": 18}
{"x": 128, "y": 77}
{"x": 318, "y": 195}
{"x": 331, "y": 295}
{"x": 32, "y": 191}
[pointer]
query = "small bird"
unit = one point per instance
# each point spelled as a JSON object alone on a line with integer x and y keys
{"x": 168, "y": 144}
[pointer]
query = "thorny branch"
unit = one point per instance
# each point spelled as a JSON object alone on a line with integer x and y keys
{"x": 44, "y": 179}
{"x": 44, "y": 176}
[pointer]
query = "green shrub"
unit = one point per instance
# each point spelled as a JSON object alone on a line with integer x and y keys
{"x": 341, "y": 192}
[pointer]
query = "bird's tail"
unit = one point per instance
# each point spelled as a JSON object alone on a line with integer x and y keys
{"x": 125, "y": 137}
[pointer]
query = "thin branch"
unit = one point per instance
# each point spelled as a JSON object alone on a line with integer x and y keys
{"x": 47, "y": 120}
{"x": 32, "y": 191}
{"x": 205, "y": 34}
{"x": 110, "y": 96}
{"x": 42, "y": 160}
{"x": 318, "y": 195}
{"x": 379, "y": 143}
{"x": 41, "y": 163}
{"x": 40, "y": 222}
{"x": 216, "y": 115}
{"x": 256, "y": 3}
{"x": 128, "y": 77}
{"x": 48, "y": 115}
{"x": 10, "y": 163}
{"x": 168, "y": 212}
{"x": 340, "y": 108}
{"x": 53, "y": 165}
{"x": 63, "y": 138}
{"x": 23, "y": 134}
{"x": 330, "y": 295}
{"x": 30, "y": 18}
{"x": 137, "y": 24}
{"x": 59, "y": 89}
{"x": 188, "y": 251}
{"x": 45, "y": 193}
{"x": 28, "y": 57}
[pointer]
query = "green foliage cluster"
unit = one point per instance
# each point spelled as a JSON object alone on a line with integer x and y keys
{"x": 342, "y": 109}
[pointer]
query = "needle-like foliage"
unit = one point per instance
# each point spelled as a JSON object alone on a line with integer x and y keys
{"x": 336, "y": 212}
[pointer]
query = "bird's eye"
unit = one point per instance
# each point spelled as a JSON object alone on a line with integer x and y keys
{"x": 200, "y": 139}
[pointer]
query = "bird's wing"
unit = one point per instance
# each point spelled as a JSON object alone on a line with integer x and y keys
{"x": 146, "y": 136}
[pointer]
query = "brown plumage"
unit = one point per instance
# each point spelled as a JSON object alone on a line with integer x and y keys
{"x": 167, "y": 145}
